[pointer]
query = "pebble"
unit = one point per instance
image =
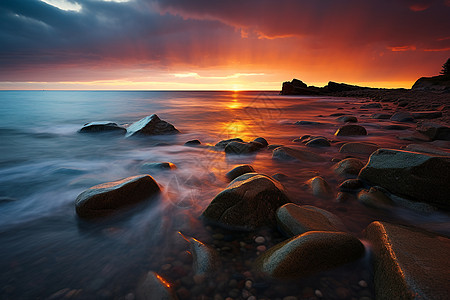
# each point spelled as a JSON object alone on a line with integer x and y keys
{"x": 261, "y": 248}
{"x": 166, "y": 267}
{"x": 248, "y": 284}
{"x": 260, "y": 239}
{"x": 218, "y": 297}
{"x": 183, "y": 293}
{"x": 251, "y": 298}
{"x": 290, "y": 298}
{"x": 318, "y": 293}
{"x": 362, "y": 283}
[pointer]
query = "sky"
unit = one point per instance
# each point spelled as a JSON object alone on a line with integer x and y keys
{"x": 219, "y": 45}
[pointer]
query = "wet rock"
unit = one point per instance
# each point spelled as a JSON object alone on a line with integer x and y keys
{"x": 311, "y": 252}
{"x": 303, "y": 123}
{"x": 273, "y": 146}
{"x": 222, "y": 144}
{"x": 350, "y": 185}
{"x": 153, "y": 286}
{"x": 396, "y": 127}
{"x": 242, "y": 147}
{"x": 280, "y": 177}
{"x": 193, "y": 143}
{"x": 381, "y": 116}
{"x": 291, "y": 153}
{"x": 319, "y": 187}
{"x": 262, "y": 141}
{"x": 427, "y": 114}
{"x": 238, "y": 171}
{"x": 151, "y": 125}
{"x": 415, "y": 176}
{"x": 371, "y": 105}
{"x": 205, "y": 258}
{"x": 409, "y": 263}
{"x": 344, "y": 197}
{"x": 102, "y": 127}
{"x": 422, "y": 148}
{"x": 349, "y": 119}
{"x": 348, "y": 167}
{"x": 415, "y": 136}
{"x": 375, "y": 198}
{"x": 159, "y": 165}
{"x": 349, "y": 130}
{"x": 358, "y": 147}
{"x": 248, "y": 202}
{"x": 318, "y": 142}
{"x": 435, "y": 131}
{"x": 294, "y": 219}
{"x": 107, "y": 198}
{"x": 402, "y": 116}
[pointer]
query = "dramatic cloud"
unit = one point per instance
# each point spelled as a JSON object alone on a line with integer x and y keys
{"x": 202, "y": 40}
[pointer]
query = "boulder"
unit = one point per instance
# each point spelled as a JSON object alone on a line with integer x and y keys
{"x": 294, "y": 219}
{"x": 349, "y": 130}
{"x": 151, "y": 125}
{"x": 381, "y": 116}
{"x": 427, "y": 114}
{"x": 435, "y": 131}
{"x": 415, "y": 176}
{"x": 371, "y": 105}
{"x": 436, "y": 83}
{"x": 396, "y": 127}
{"x": 262, "y": 141}
{"x": 291, "y": 153}
{"x": 242, "y": 148}
{"x": 318, "y": 142}
{"x": 154, "y": 287}
{"x": 103, "y": 127}
{"x": 348, "y": 167}
{"x": 409, "y": 263}
{"x": 309, "y": 253}
{"x": 319, "y": 187}
{"x": 351, "y": 185}
{"x": 358, "y": 147}
{"x": 248, "y": 202}
{"x": 205, "y": 258}
{"x": 222, "y": 144}
{"x": 107, "y": 198}
{"x": 375, "y": 198}
{"x": 402, "y": 116}
{"x": 345, "y": 119}
{"x": 193, "y": 143}
{"x": 238, "y": 171}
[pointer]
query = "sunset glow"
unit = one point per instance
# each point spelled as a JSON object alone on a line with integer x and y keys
{"x": 205, "y": 45}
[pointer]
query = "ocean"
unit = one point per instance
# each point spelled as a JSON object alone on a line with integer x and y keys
{"x": 47, "y": 252}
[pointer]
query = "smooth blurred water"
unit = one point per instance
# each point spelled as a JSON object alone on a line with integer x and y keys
{"x": 45, "y": 163}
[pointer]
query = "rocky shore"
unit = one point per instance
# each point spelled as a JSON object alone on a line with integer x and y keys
{"x": 300, "y": 241}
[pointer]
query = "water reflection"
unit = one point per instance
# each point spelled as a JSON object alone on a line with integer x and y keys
{"x": 45, "y": 164}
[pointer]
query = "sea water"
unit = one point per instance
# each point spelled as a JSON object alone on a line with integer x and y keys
{"x": 47, "y": 252}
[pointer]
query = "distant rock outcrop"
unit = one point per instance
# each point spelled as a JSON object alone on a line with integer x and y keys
{"x": 298, "y": 87}
{"x": 439, "y": 83}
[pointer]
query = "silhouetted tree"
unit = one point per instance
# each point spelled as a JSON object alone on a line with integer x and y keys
{"x": 446, "y": 68}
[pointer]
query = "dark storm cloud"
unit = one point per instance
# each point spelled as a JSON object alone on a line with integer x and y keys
{"x": 33, "y": 33}
{"x": 37, "y": 38}
{"x": 371, "y": 21}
